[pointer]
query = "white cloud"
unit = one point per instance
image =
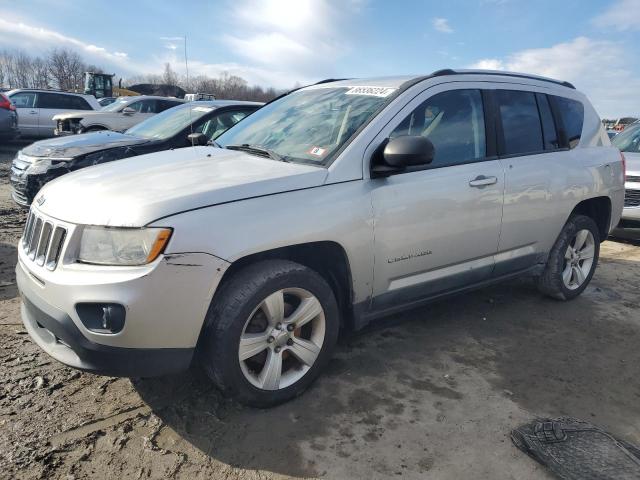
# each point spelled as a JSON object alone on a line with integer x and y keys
{"x": 622, "y": 15}
{"x": 599, "y": 68}
{"x": 442, "y": 25}
{"x": 302, "y": 39}
{"x": 31, "y": 38}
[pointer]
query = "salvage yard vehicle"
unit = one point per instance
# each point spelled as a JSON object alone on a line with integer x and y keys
{"x": 36, "y": 108}
{"x": 45, "y": 160}
{"x": 628, "y": 141}
{"x": 328, "y": 208}
{"x": 122, "y": 114}
{"x": 8, "y": 119}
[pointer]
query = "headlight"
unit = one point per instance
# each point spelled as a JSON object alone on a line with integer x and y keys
{"x": 122, "y": 246}
{"x": 41, "y": 166}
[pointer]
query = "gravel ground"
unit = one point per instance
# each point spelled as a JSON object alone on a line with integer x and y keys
{"x": 431, "y": 393}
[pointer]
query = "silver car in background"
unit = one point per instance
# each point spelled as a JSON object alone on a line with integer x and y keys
{"x": 628, "y": 141}
{"x": 327, "y": 209}
{"x": 36, "y": 108}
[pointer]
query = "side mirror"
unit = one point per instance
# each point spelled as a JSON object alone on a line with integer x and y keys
{"x": 197, "y": 139}
{"x": 128, "y": 111}
{"x": 408, "y": 151}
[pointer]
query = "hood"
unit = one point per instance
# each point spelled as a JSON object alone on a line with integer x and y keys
{"x": 633, "y": 163}
{"x": 70, "y": 146}
{"x": 139, "y": 190}
{"x": 83, "y": 114}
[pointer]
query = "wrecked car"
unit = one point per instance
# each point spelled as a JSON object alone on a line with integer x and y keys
{"x": 45, "y": 160}
{"x": 327, "y": 209}
{"x": 120, "y": 115}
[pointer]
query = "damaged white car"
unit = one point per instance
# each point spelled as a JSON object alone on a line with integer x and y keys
{"x": 119, "y": 116}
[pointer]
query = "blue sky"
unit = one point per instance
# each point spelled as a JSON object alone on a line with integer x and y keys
{"x": 594, "y": 44}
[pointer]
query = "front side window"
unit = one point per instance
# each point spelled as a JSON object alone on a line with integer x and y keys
{"x": 628, "y": 140}
{"x": 144, "y": 106}
{"x": 572, "y": 114}
{"x": 218, "y": 124}
{"x": 309, "y": 125}
{"x": 454, "y": 122}
{"x": 24, "y": 99}
{"x": 520, "y": 122}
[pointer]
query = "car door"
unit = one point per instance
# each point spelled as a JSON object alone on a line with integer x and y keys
{"x": 144, "y": 109}
{"x": 436, "y": 229}
{"x": 51, "y": 104}
{"x": 536, "y": 168}
{"x": 28, "y": 113}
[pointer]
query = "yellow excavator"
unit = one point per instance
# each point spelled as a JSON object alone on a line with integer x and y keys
{"x": 100, "y": 85}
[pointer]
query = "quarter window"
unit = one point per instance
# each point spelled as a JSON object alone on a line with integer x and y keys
{"x": 549, "y": 133}
{"x": 454, "y": 122}
{"x": 520, "y": 122}
{"x": 572, "y": 114}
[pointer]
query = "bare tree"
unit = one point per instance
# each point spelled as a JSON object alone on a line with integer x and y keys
{"x": 66, "y": 69}
{"x": 169, "y": 77}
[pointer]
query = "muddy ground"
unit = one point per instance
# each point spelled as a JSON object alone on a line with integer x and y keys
{"x": 431, "y": 394}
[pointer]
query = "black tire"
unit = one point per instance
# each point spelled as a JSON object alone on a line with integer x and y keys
{"x": 550, "y": 282}
{"x": 229, "y": 311}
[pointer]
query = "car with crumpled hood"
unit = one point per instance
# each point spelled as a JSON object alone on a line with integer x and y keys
{"x": 186, "y": 125}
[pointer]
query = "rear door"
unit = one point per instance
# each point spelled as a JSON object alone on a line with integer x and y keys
{"x": 28, "y": 113}
{"x": 538, "y": 164}
{"x": 51, "y": 104}
{"x": 436, "y": 229}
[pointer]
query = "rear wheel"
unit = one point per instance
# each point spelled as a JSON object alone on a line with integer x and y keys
{"x": 270, "y": 331}
{"x": 572, "y": 260}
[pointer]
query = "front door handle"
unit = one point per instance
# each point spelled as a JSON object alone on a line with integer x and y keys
{"x": 482, "y": 181}
{"x": 33, "y": 112}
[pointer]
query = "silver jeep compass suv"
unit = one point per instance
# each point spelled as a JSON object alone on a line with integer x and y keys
{"x": 328, "y": 208}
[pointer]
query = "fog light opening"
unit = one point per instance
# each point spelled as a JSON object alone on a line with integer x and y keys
{"x": 106, "y": 318}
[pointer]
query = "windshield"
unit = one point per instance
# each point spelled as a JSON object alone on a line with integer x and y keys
{"x": 628, "y": 140}
{"x": 170, "y": 122}
{"x": 308, "y": 125}
{"x": 117, "y": 105}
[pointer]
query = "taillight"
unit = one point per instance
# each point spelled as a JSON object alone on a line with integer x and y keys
{"x": 624, "y": 167}
{"x": 5, "y": 103}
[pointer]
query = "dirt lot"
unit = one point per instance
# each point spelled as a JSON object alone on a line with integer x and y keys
{"x": 431, "y": 394}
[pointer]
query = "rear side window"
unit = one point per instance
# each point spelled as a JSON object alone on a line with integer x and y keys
{"x": 54, "y": 101}
{"x": 454, "y": 122}
{"x": 520, "y": 122}
{"x": 572, "y": 115}
{"x": 165, "y": 105}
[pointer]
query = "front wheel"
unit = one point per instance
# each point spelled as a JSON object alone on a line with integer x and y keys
{"x": 572, "y": 260}
{"x": 270, "y": 331}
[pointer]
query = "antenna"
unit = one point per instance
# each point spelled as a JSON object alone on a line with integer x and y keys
{"x": 186, "y": 67}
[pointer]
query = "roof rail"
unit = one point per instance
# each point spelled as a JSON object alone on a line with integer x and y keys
{"x": 449, "y": 71}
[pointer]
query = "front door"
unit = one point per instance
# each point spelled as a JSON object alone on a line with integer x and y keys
{"x": 28, "y": 113}
{"x": 437, "y": 229}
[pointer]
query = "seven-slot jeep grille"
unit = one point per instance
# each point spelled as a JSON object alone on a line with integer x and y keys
{"x": 43, "y": 240}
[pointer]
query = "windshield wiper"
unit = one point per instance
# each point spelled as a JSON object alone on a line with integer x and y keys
{"x": 257, "y": 150}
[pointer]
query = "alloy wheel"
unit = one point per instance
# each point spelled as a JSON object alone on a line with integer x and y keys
{"x": 282, "y": 339}
{"x": 578, "y": 259}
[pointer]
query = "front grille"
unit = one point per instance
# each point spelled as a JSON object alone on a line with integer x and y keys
{"x": 633, "y": 178}
{"x": 43, "y": 241}
{"x": 632, "y": 198}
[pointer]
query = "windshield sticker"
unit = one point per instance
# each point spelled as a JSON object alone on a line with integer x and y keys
{"x": 202, "y": 109}
{"x": 317, "y": 151}
{"x": 371, "y": 91}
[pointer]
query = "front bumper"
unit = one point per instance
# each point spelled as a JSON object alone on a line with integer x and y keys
{"x": 165, "y": 303}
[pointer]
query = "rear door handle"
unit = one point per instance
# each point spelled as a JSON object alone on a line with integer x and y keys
{"x": 482, "y": 181}
{"x": 33, "y": 112}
